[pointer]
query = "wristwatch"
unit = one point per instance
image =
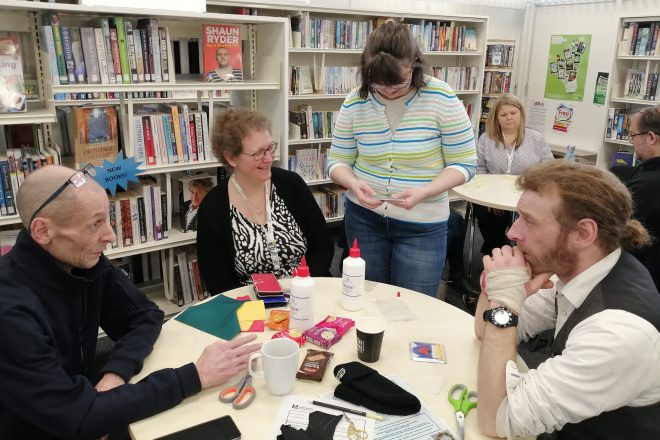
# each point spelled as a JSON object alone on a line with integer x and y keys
{"x": 501, "y": 317}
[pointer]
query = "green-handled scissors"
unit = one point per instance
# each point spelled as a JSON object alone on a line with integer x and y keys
{"x": 463, "y": 401}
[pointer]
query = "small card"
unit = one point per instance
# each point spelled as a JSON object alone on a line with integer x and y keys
{"x": 427, "y": 352}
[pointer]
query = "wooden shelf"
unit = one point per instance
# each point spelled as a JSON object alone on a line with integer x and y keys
{"x": 450, "y": 53}
{"x": 10, "y": 220}
{"x": 186, "y": 84}
{"x": 320, "y": 50}
{"x": 319, "y": 182}
{"x": 634, "y": 101}
{"x": 618, "y": 142}
{"x": 171, "y": 168}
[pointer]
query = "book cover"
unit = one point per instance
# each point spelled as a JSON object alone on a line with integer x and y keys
{"x": 96, "y": 135}
{"x": 12, "y": 89}
{"x": 221, "y": 45}
{"x": 192, "y": 191}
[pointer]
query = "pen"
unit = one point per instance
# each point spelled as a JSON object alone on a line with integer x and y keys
{"x": 348, "y": 410}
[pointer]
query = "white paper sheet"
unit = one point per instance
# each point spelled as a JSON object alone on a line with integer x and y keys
{"x": 294, "y": 411}
{"x": 420, "y": 426}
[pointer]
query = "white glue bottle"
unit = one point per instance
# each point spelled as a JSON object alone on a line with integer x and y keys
{"x": 352, "y": 292}
{"x": 302, "y": 298}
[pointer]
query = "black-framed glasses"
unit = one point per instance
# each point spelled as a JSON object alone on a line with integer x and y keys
{"x": 401, "y": 86}
{"x": 259, "y": 155}
{"x": 77, "y": 180}
{"x": 632, "y": 135}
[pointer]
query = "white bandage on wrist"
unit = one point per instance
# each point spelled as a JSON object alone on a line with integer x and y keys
{"x": 507, "y": 287}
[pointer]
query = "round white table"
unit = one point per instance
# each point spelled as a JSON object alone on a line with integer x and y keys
{"x": 491, "y": 190}
{"x": 436, "y": 321}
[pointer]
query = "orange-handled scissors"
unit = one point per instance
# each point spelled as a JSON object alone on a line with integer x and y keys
{"x": 463, "y": 401}
{"x": 240, "y": 395}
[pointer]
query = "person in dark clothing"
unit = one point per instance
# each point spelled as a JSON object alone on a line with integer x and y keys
{"x": 571, "y": 271}
{"x": 57, "y": 290}
{"x": 644, "y": 184}
{"x": 262, "y": 218}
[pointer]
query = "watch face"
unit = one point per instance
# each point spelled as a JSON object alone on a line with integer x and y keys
{"x": 501, "y": 317}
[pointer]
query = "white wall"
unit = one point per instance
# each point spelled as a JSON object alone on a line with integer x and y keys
{"x": 601, "y": 21}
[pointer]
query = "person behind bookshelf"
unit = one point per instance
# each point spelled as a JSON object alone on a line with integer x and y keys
{"x": 643, "y": 181}
{"x": 262, "y": 218}
{"x": 224, "y": 71}
{"x": 58, "y": 290}
{"x": 404, "y": 136}
{"x": 506, "y": 147}
{"x": 198, "y": 189}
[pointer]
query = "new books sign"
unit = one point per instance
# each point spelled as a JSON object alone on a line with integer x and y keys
{"x": 567, "y": 67}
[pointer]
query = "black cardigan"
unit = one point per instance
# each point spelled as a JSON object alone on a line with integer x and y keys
{"x": 215, "y": 245}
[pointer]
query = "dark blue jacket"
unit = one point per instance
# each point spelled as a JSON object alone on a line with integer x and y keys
{"x": 49, "y": 322}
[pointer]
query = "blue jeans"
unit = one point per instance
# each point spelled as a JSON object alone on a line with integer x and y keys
{"x": 405, "y": 254}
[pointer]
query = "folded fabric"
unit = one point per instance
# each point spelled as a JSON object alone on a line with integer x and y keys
{"x": 217, "y": 317}
{"x": 365, "y": 386}
{"x": 251, "y": 316}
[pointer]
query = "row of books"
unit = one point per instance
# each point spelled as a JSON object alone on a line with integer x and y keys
{"x": 107, "y": 51}
{"x": 171, "y": 135}
{"x": 300, "y": 80}
{"x": 458, "y": 78}
{"x": 337, "y": 79}
{"x": 188, "y": 286}
{"x": 499, "y": 55}
{"x": 90, "y": 96}
{"x": 327, "y": 33}
{"x": 15, "y": 165}
{"x": 309, "y": 163}
{"x": 307, "y": 124}
{"x": 638, "y": 85}
{"x": 444, "y": 36}
{"x": 331, "y": 201}
{"x": 640, "y": 38}
{"x": 618, "y": 123}
{"x": 139, "y": 215}
{"x": 496, "y": 82}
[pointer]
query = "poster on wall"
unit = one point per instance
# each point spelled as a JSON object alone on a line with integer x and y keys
{"x": 567, "y": 67}
{"x": 563, "y": 118}
{"x": 600, "y": 90}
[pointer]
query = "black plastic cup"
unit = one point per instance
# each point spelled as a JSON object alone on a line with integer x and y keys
{"x": 370, "y": 331}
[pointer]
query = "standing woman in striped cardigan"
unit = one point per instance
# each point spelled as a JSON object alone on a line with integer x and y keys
{"x": 400, "y": 142}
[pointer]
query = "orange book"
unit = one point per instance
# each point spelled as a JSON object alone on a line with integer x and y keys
{"x": 96, "y": 135}
{"x": 223, "y": 61}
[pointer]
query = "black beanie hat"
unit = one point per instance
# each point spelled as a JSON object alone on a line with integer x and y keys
{"x": 365, "y": 386}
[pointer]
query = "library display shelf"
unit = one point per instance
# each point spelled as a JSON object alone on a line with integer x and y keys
{"x": 176, "y": 238}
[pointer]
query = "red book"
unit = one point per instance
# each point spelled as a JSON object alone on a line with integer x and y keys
{"x": 265, "y": 284}
{"x": 148, "y": 141}
{"x": 221, "y": 45}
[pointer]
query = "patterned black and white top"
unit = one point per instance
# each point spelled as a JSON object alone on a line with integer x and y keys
{"x": 252, "y": 253}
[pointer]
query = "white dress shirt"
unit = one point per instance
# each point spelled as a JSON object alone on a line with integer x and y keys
{"x": 610, "y": 360}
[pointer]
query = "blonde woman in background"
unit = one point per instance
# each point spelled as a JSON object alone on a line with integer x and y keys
{"x": 506, "y": 147}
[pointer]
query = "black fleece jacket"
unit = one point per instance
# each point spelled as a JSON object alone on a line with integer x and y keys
{"x": 215, "y": 244}
{"x": 49, "y": 322}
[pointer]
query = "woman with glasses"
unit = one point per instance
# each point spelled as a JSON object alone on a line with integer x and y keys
{"x": 262, "y": 218}
{"x": 401, "y": 141}
{"x": 506, "y": 147}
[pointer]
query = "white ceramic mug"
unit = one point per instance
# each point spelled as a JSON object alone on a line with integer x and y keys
{"x": 279, "y": 361}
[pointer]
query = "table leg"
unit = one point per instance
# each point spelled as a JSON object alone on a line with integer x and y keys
{"x": 469, "y": 223}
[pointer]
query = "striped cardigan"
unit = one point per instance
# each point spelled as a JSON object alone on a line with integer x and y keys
{"x": 435, "y": 133}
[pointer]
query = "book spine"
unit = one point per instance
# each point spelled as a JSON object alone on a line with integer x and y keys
{"x": 139, "y": 59}
{"x": 59, "y": 50}
{"x": 68, "y": 55}
{"x": 187, "y": 153}
{"x": 114, "y": 47}
{"x": 139, "y": 147}
{"x": 148, "y": 140}
{"x": 192, "y": 130}
{"x": 3, "y": 203}
{"x": 157, "y": 212}
{"x": 148, "y": 212}
{"x": 146, "y": 55}
{"x": 163, "y": 206}
{"x": 132, "y": 56}
{"x": 7, "y": 187}
{"x": 78, "y": 57}
{"x": 108, "y": 46}
{"x": 170, "y": 143}
{"x": 164, "y": 53}
{"x": 112, "y": 217}
{"x": 135, "y": 220}
{"x": 92, "y": 64}
{"x": 123, "y": 50}
{"x": 208, "y": 153}
{"x": 101, "y": 55}
{"x": 47, "y": 35}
